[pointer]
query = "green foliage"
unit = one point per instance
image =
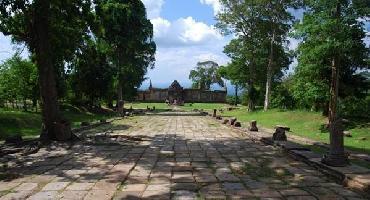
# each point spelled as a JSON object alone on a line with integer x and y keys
{"x": 91, "y": 75}
{"x": 232, "y": 99}
{"x": 355, "y": 107}
{"x": 258, "y": 54}
{"x": 205, "y": 74}
{"x": 124, "y": 26}
{"x": 18, "y": 80}
{"x": 330, "y": 30}
{"x": 282, "y": 98}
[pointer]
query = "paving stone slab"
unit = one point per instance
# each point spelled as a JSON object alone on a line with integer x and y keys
{"x": 26, "y": 186}
{"x": 80, "y": 186}
{"x": 44, "y": 195}
{"x": 72, "y": 195}
{"x": 178, "y": 157}
{"x": 55, "y": 186}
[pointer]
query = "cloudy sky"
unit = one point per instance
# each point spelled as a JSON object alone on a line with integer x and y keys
{"x": 184, "y": 33}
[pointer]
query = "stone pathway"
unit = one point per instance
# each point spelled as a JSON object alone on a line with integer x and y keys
{"x": 164, "y": 157}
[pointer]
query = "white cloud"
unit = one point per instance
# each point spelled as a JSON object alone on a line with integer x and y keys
{"x": 216, "y": 5}
{"x": 183, "y": 32}
{"x": 211, "y": 56}
{"x": 175, "y": 63}
{"x": 153, "y": 8}
{"x": 7, "y": 49}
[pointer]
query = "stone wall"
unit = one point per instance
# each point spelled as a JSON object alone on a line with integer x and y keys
{"x": 189, "y": 95}
{"x": 197, "y": 95}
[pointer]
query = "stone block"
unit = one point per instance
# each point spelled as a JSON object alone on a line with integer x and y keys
{"x": 237, "y": 124}
{"x": 279, "y": 134}
{"x": 253, "y": 125}
{"x": 225, "y": 121}
{"x": 232, "y": 121}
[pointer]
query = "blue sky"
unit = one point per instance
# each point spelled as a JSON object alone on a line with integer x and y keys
{"x": 184, "y": 33}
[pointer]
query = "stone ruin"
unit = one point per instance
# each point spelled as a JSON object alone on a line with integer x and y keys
{"x": 176, "y": 94}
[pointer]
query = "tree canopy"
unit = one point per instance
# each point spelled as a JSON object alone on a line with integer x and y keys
{"x": 206, "y": 74}
{"x": 89, "y": 38}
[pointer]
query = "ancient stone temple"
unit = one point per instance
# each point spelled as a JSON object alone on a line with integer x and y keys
{"x": 179, "y": 94}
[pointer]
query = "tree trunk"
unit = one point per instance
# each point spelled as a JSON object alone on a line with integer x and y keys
{"x": 110, "y": 102}
{"x": 336, "y": 156}
{"x": 236, "y": 94}
{"x": 250, "y": 96}
{"x": 269, "y": 73}
{"x": 119, "y": 98}
{"x": 25, "y": 105}
{"x": 325, "y": 109}
{"x": 48, "y": 89}
{"x": 251, "y": 89}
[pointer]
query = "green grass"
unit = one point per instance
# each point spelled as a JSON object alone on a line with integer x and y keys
{"x": 187, "y": 106}
{"x": 204, "y": 106}
{"x": 307, "y": 124}
{"x": 28, "y": 124}
{"x": 138, "y": 105}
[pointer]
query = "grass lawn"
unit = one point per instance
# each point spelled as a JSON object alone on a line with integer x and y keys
{"x": 308, "y": 124}
{"x": 187, "y": 106}
{"x": 28, "y": 124}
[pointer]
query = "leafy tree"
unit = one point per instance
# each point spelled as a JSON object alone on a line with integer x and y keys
{"x": 129, "y": 33}
{"x": 91, "y": 73}
{"x": 18, "y": 80}
{"x": 51, "y": 30}
{"x": 241, "y": 18}
{"x": 277, "y": 24}
{"x": 332, "y": 43}
{"x": 261, "y": 27}
{"x": 205, "y": 74}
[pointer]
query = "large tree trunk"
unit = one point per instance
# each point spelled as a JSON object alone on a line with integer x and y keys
{"x": 336, "y": 156}
{"x": 269, "y": 74}
{"x": 48, "y": 89}
{"x": 251, "y": 89}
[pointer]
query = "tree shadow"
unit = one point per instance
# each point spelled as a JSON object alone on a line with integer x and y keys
{"x": 170, "y": 165}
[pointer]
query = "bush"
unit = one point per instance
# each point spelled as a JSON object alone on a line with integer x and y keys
{"x": 257, "y": 95}
{"x": 282, "y": 98}
{"x": 231, "y": 100}
{"x": 354, "y": 107}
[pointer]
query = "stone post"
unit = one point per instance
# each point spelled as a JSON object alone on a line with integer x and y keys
{"x": 253, "y": 125}
{"x": 214, "y": 113}
{"x": 279, "y": 135}
{"x": 336, "y": 156}
{"x": 232, "y": 121}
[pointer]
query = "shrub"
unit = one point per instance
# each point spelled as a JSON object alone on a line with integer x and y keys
{"x": 231, "y": 100}
{"x": 282, "y": 98}
{"x": 354, "y": 107}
